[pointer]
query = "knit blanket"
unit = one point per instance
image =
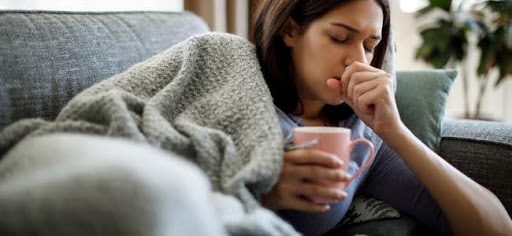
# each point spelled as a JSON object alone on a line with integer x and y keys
{"x": 204, "y": 99}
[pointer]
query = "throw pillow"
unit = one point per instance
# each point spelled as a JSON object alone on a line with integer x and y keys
{"x": 403, "y": 225}
{"x": 421, "y": 98}
{"x": 364, "y": 209}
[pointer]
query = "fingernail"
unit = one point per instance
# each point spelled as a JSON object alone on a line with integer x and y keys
{"x": 339, "y": 162}
{"x": 326, "y": 208}
{"x": 336, "y": 159}
{"x": 340, "y": 195}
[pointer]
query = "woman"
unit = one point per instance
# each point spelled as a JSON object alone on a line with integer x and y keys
{"x": 322, "y": 60}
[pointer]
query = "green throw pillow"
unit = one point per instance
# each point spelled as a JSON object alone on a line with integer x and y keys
{"x": 421, "y": 98}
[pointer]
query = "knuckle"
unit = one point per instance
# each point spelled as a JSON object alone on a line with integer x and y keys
{"x": 295, "y": 153}
{"x": 354, "y": 101}
{"x": 282, "y": 191}
{"x": 281, "y": 188}
{"x": 316, "y": 189}
{"x": 358, "y": 64}
{"x": 385, "y": 75}
{"x": 315, "y": 172}
{"x": 309, "y": 152}
{"x": 331, "y": 158}
{"x": 288, "y": 156}
{"x": 357, "y": 76}
{"x": 386, "y": 90}
{"x": 337, "y": 175}
{"x": 354, "y": 76}
{"x": 286, "y": 170}
{"x": 360, "y": 100}
{"x": 357, "y": 90}
{"x": 389, "y": 78}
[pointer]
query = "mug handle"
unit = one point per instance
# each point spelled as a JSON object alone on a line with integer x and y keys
{"x": 368, "y": 162}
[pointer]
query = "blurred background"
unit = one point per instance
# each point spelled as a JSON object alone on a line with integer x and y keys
{"x": 472, "y": 36}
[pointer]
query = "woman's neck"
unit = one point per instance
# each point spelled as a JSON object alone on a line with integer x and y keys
{"x": 311, "y": 112}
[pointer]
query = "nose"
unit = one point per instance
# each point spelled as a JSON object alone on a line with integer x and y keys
{"x": 356, "y": 53}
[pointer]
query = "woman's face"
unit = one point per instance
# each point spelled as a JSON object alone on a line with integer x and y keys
{"x": 329, "y": 44}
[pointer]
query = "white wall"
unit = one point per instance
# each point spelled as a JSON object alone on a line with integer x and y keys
{"x": 407, "y": 38}
{"x": 93, "y": 5}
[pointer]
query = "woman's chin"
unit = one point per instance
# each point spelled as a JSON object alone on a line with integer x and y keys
{"x": 335, "y": 101}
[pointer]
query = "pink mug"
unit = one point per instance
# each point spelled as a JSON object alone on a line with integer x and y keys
{"x": 333, "y": 140}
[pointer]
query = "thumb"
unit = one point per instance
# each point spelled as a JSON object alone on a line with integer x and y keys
{"x": 336, "y": 86}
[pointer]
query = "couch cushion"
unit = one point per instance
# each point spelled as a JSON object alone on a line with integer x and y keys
{"x": 483, "y": 151}
{"x": 48, "y": 57}
{"x": 402, "y": 226}
{"x": 421, "y": 98}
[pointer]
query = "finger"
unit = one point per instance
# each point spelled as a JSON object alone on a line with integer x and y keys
{"x": 384, "y": 82}
{"x": 286, "y": 196}
{"x": 317, "y": 191}
{"x": 317, "y": 173}
{"x": 302, "y": 203}
{"x": 334, "y": 85}
{"x": 352, "y": 68}
{"x": 367, "y": 102}
{"x": 358, "y": 78}
{"x": 313, "y": 157}
{"x": 362, "y": 88}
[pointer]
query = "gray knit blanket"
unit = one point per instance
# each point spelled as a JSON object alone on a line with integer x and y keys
{"x": 204, "y": 99}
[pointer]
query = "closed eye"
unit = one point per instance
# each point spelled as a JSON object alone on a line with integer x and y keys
{"x": 346, "y": 40}
{"x": 368, "y": 50}
{"x": 338, "y": 41}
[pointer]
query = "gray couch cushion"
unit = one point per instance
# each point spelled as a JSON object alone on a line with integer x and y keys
{"x": 483, "y": 151}
{"x": 48, "y": 57}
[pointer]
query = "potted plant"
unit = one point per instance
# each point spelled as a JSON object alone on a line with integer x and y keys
{"x": 447, "y": 39}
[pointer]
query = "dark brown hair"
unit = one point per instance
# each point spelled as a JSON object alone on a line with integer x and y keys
{"x": 275, "y": 58}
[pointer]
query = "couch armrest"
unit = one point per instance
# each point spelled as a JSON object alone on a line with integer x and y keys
{"x": 483, "y": 151}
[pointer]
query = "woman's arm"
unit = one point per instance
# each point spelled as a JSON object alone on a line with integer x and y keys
{"x": 470, "y": 209}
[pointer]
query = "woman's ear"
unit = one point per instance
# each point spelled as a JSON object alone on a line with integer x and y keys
{"x": 290, "y": 33}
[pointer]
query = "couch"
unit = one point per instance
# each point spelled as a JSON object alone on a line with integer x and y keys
{"x": 48, "y": 57}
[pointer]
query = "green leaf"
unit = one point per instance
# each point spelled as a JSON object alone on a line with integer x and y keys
{"x": 500, "y": 6}
{"x": 442, "y": 42}
{"x": 508, "y": 36}
{"x": 483, "y": 27}
{"x": 440, "y": 61}
{"x": 423, "y": 11}
{"x": 424, "y": 51}
{"x": 446, "y": 41}
{"x": 488, "y": 54}
{"x": 443, "y": 4}
{"x": 505, "y": 66}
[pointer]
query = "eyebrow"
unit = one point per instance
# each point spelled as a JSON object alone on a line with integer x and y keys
{"x": 350, "y": 28}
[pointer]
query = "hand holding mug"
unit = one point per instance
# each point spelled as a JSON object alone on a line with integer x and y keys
{"x": 313, "y": 176}
{"x": 294, "y": 191}
{"x": 335, "y": 141}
